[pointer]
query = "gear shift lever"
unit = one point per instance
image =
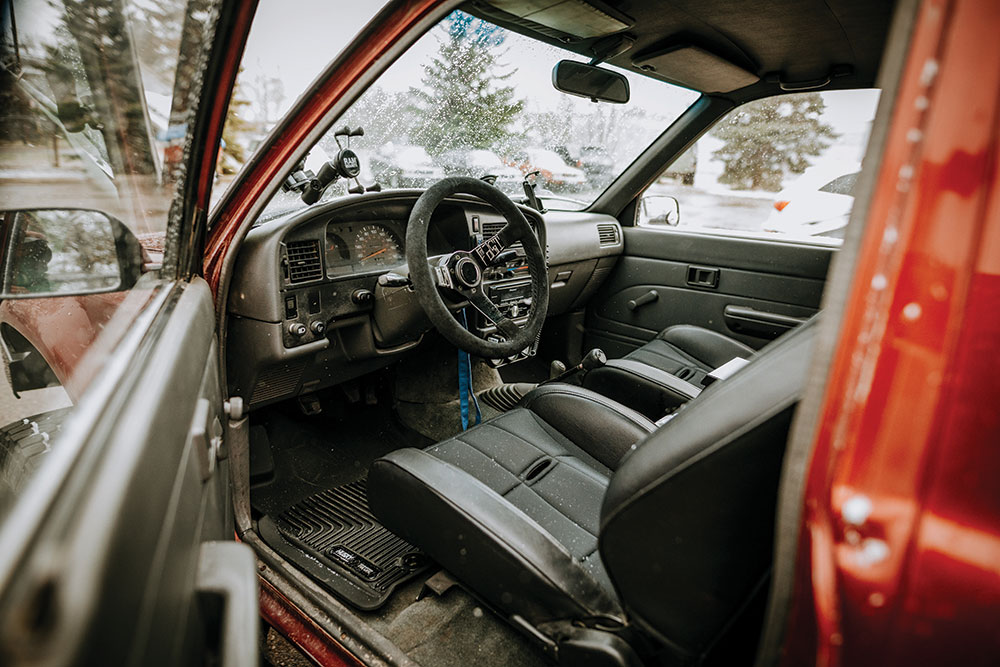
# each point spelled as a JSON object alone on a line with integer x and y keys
{"x": 593, "y": 359}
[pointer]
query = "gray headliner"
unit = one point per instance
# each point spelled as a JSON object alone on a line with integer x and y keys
{"x": 800, "y": 40}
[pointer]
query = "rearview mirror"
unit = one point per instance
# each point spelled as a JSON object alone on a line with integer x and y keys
{"x": 595, "y": 83}
{"x": 659, "y": 210}
{"x": 64, "y": 252}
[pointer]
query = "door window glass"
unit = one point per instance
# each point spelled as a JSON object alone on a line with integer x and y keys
{"x": 778, "y": 168}
{"x": 94, "y": 97}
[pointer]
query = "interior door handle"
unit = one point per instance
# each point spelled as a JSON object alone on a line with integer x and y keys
{"x": 228, "y": 570}
{"x": 703, "y": 276}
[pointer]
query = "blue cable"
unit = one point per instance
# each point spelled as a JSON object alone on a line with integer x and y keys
{"x": 465, "y": 389}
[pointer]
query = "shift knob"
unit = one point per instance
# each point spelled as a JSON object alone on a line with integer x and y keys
{"x": 594, "y": 359}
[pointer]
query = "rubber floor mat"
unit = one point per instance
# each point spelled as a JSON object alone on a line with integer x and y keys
{"x": 335, "y": 538}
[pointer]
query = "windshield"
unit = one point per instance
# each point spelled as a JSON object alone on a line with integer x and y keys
{"x": 473, "y": 99}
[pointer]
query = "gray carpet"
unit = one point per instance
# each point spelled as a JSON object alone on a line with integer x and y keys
{"x": 427, "y": 390}
{"x": 453, "y": 630}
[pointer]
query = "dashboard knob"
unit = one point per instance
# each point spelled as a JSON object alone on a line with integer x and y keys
{"x": 317, "y": 327}
{"x": 363, "y": 297}
{"x": 297, "y": 329}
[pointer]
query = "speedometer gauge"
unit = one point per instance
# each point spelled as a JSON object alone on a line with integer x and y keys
{"x": 377, "y": 246}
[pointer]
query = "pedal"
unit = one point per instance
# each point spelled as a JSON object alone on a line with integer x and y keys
{"x": 309, "y": 405}
{"x": 352, "y": 391}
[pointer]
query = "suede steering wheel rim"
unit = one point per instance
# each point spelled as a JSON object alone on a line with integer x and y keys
{"x": 462, "y": 271}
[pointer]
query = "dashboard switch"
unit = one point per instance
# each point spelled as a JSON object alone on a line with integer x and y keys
{"x": 363, "y": 297}
{"x": 291, "y": 312}
{"x": 297, "y": 329}
{"x": 317, "y": 327}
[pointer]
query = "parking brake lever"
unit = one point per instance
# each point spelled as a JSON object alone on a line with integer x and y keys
{"x": 593, "y": 359}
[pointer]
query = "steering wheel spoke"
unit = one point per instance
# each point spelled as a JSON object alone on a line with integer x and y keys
{"x": 485, "y": 305}
{"x": 488, "y": 251}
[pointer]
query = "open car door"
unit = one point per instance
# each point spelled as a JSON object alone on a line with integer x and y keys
{"x": 116, "y": 529}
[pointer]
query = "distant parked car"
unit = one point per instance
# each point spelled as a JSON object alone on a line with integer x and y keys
{"x": 595, "y": 161}
{"x": 682, "y": 169}
{"x": 554, "y": 172}
{"x": 405, "y": 167}
{"x": 478, "y": 163}
{"x": 818, "y": 203}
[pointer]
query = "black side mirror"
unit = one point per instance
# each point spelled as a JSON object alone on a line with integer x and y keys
{"x": 595, "y": 83}
{"x": 64, "y": 252}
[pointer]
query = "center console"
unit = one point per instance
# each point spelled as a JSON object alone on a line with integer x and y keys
{"x": 508, "y": 285}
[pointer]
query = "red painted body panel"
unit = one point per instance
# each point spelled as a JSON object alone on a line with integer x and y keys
{"x": 62, "y": 329}
{"x": 909, "y": 433}
{"x": 302, "y": 631}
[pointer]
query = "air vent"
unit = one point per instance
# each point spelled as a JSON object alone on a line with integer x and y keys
{"x": 608, "y": 234}
{"x": 492, "y": 228}
{"x": 304, "y": 263}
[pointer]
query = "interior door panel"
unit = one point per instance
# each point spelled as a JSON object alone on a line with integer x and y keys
{"x": 752, "y": 290}
{"x": 151, "y": 576}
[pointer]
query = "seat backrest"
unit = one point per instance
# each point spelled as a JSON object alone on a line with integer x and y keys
{"x": 687, "y": 523}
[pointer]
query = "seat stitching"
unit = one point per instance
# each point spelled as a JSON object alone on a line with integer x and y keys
{"x": 569, "y": 460}
{"x": 486, "y": 456}
{"x": 528, "y": 442}
{"x": 491, "y": 458}
{"x": 685, "y": 357}
{"x": 558, "y": 511}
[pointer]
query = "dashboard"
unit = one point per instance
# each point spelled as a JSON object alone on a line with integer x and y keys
{"x": 307, "y": 309}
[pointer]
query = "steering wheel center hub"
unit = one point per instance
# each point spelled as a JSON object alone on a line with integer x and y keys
{"x": 467, "y": 272}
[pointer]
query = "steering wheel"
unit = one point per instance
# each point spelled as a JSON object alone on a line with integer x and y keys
{"x": 461, "y": 272}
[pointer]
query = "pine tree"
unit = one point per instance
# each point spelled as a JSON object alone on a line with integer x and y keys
{"x": 463, "y": 103}
{"x": 233, "y": 130}
{"x": 770, "y": 138}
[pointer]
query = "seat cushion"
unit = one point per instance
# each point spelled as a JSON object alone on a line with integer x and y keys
{"x": 541, "y": 473}
{"x": 512, "y": 506}
{"x": 667, "y": 371}
{"x": 686, "y": 346}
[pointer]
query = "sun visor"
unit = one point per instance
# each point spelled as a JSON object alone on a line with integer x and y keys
{"x": 573, "y": 17}
{"x": 696, "y": 68}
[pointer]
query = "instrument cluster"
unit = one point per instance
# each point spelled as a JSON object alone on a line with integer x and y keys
{"x": 363, "y": 247}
